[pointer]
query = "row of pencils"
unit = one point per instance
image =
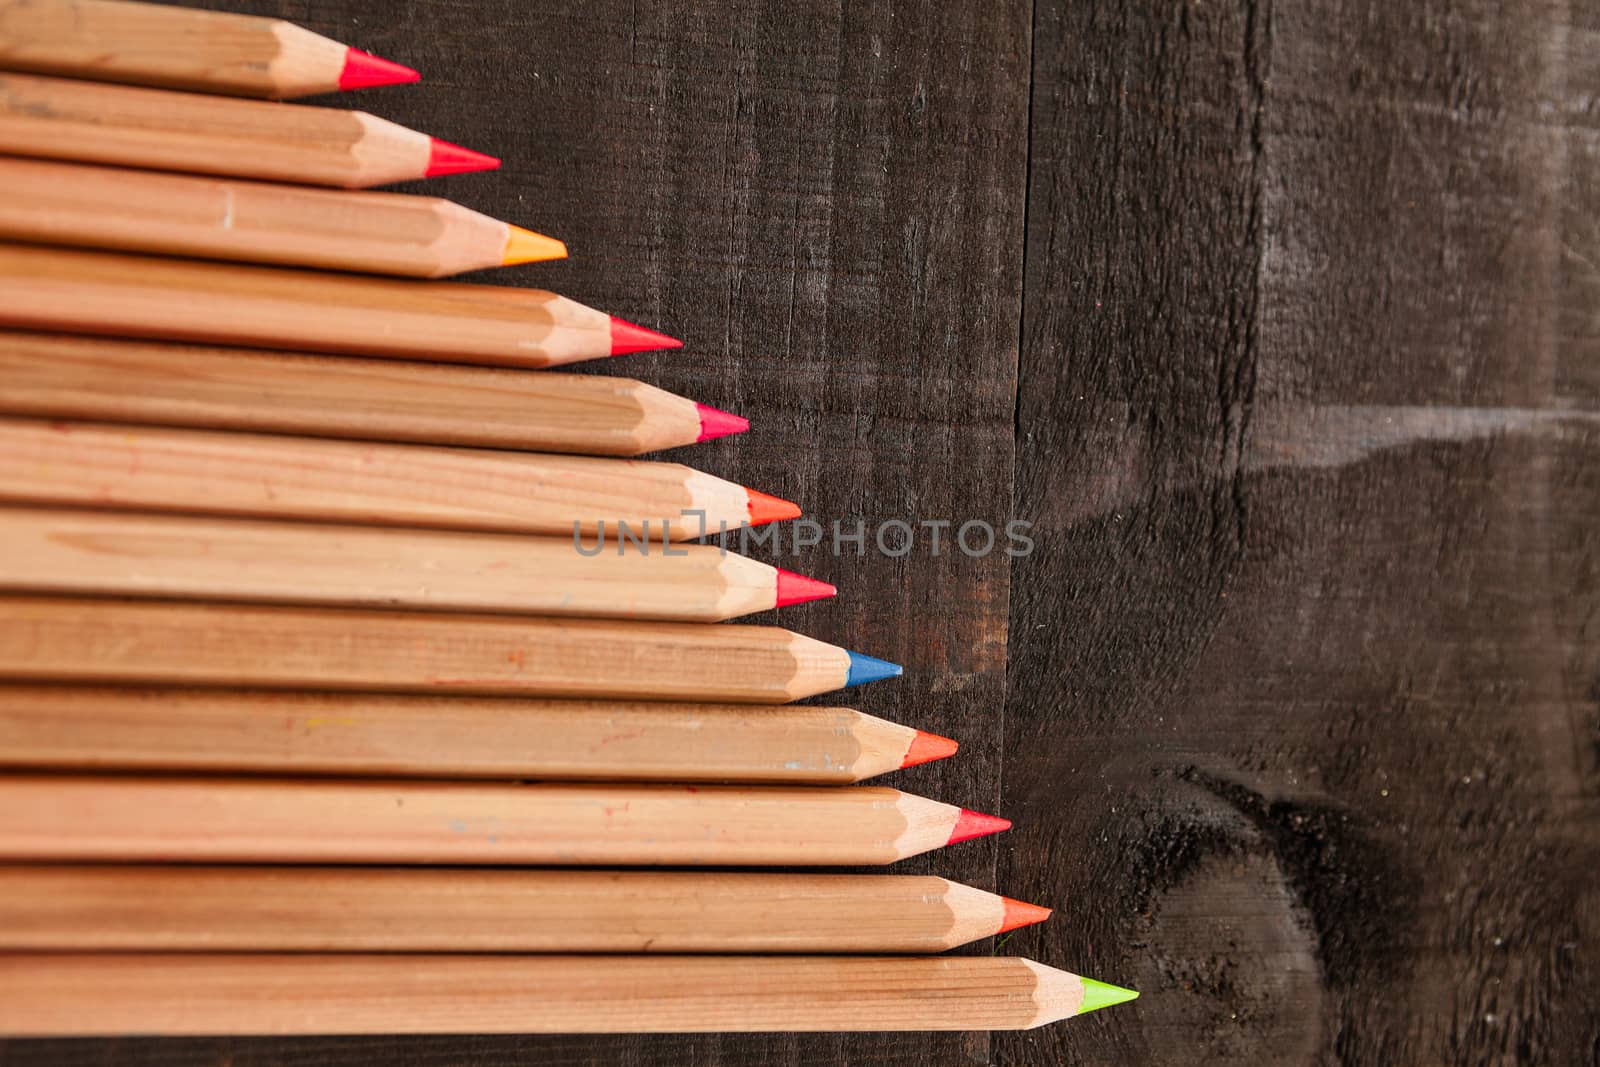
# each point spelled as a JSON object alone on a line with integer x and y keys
{"x": 314, "y": 716}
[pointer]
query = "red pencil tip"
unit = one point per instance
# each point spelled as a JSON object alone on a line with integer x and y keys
{"x": 797, "y": 588}
{"x": 714, "y": 423}
{"x": 363, "y": 70}
{"x": 764, "y": 508}
{"x": 447, "y": 158}
{"x": 926, "y": 747}
{"x": 626, "y": 337}
{"x": 1021, "y": 913}
{"x": 976, "y": 824}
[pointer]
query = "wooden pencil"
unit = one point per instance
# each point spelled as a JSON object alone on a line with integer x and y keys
{"x": 374, "y": 735}
{"x": 155, "y": 129}
{"x": 73, "y": 291}
{"x": 180, "y": 48}
{"x": 86, "y": 818}
{"x": 62, "y": 376}
{"x": 62, "y": 994}
{"x": 344, "y": 909}
{"x": 253, "y": 222}
{"x": 268, "y": 476}
{"x": 45, "y": 550}
{"x": 228, "y": 645}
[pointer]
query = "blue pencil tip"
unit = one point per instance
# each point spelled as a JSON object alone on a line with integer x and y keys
{"x": 864, "y": 669}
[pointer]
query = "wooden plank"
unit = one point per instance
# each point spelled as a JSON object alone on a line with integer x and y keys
{"x": 825, "y": 201}
{"x": 1308, "y": 420}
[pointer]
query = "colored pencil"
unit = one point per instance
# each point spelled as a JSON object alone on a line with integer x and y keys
{"x": 269, "y": 307}
{"x": 375, "y": 735}
{"x": 287, "y": 225}
{"x": 54, "y": 551}
{"x": 115, "y": 994}
{"x": 322, "y": 909}
{"x": 156, "y": 129}
{"x": 179, "y": 48}
{"x": 85, "y": 818}
{"x": 100, "y": 378}
{"x": 267, "y": 476}
{"x": 159, "y": 643}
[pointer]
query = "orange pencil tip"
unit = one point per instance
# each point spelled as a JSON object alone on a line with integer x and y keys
{"x": 525, "y": 246}
{"x": 797, "y": 588}
{"x": 926, "y": 747}
{"x": 447, "y": 158}
{"x": 715, "y": 424}
{"x": 626, "y": 337}
{"x": 1020, "y": 913}
{"x": 764, "y": 508}
{"x": 363, "y": 70}
{"x": 972, "y": 824}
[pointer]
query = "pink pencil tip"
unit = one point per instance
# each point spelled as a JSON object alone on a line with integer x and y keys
{"x": 972, "y": 824}
{"x": 714, "y": 423}
{"x": 447, "y": 158}
{"x": 1020, "y": 913}
{"x": 797, "y": 588}
{"x": 363, "y": 70}
{"x": 626, "y": 337}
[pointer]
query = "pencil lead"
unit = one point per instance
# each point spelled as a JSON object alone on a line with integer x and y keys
{"x": 714, "y": 423}
{"x": 626, "y": 337}
{"x": 447, "y": 158}
{"x": 797, "y": 588}
{"x": 1097, "y": 995}
{"x": 972, "y": 824}
{"x": 864, "y": 669}
{"x": 926, "y": 747}
{"x": 363, "y": 70}
{"x": 525, "y": 246}
{"x": 1020, "y": 913}
{"x": 764, "y": 508}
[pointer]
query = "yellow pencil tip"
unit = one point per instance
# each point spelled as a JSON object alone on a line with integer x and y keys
{"x": 525, "y": 246}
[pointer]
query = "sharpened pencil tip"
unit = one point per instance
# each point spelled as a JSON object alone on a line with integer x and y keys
{"x": 363, "y": 70}
{"x": 626, "y": 337}
{"x": 525, "y": 246}
{"x": 446, "y": 158}
{"x": 972, "y": 824}
{"x": 715, "y": 424}
{"x": 926, "y": 747}
{"x": 764, "y": 508}
{"x": 1097, "y": 995}
{"x": 1020, "y": 913}
{"x": 864, "y": 669}
{"x": 797, "y": 588}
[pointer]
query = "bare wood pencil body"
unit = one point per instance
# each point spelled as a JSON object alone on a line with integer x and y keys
{"x": 117, "y": 554}
{"x": 267, "y": 476}
{"x": 75, "y": 818}
{"x": 253, "y": 222}
{"x": 74, "y": 291}
{"x": 113, "y": 994}
{"x": 56, "y": 118}
{"x": 100, "y": 641}
{"x": 62, "y": 376}
{"x": 157, "y": 44}
{"x": 321, "y": 909}
{"x": 366, "y": 734}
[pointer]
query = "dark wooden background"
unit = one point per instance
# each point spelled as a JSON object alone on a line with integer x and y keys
{"x": 1281, "y": 321}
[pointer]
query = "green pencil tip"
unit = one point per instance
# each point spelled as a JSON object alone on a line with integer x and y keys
{"x": 1097, "y": 995}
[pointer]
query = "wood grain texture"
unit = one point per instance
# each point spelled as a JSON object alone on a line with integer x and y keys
{"x": 1308, "y": 422}
{"x": 1304, "y": 668}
